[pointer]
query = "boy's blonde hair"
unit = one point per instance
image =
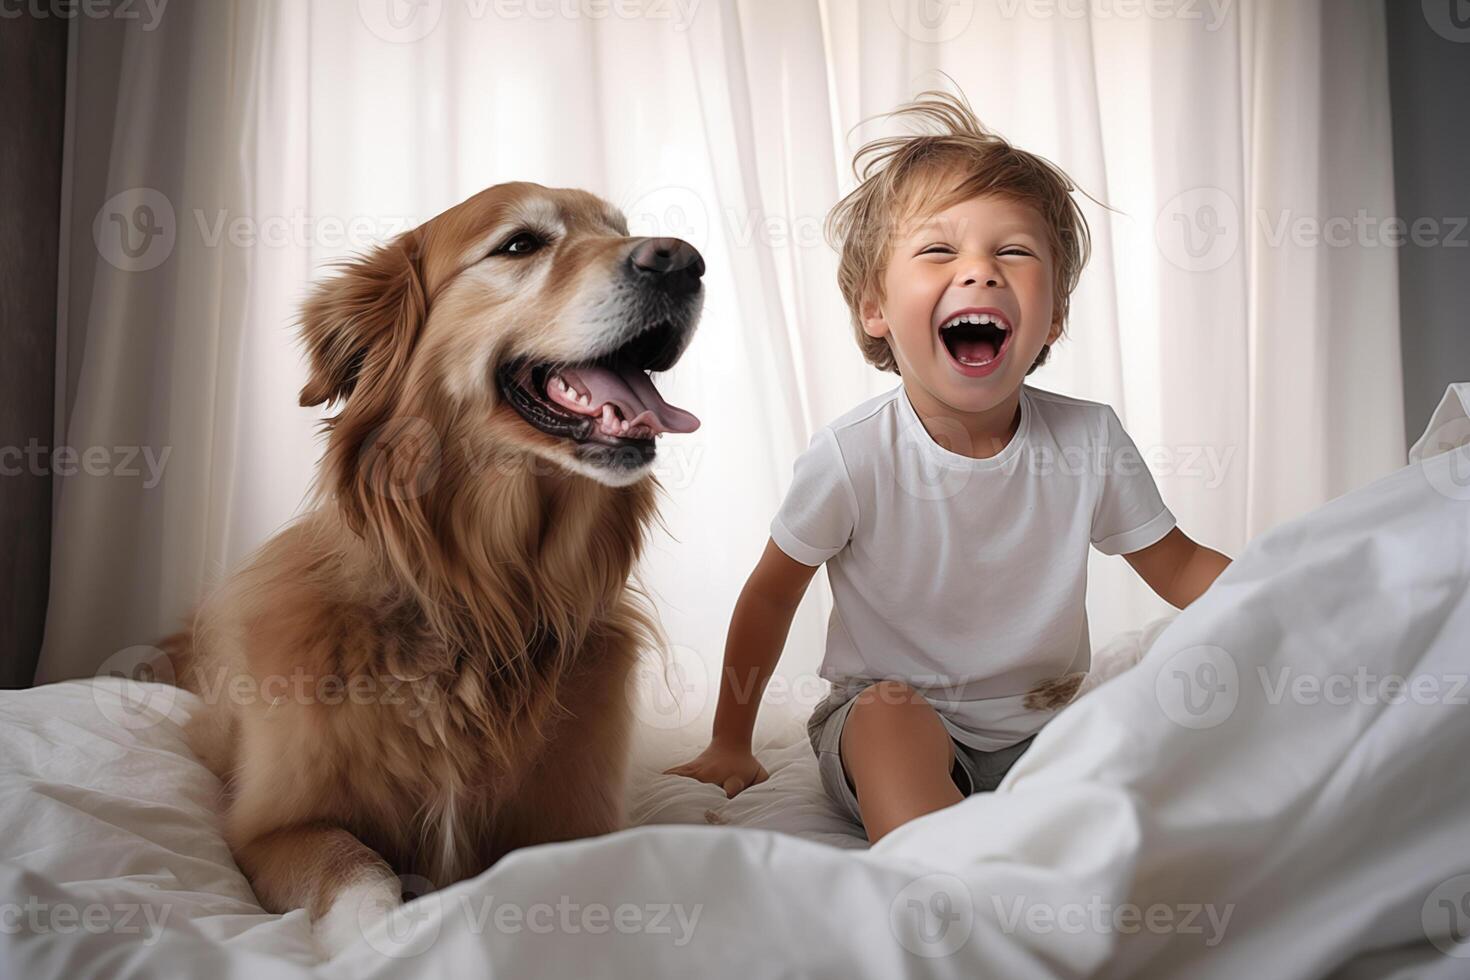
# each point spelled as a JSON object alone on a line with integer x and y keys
{"x": 902, "y": 177}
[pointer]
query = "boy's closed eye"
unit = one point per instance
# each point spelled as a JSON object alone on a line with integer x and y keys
{"x": 939, "y": 249}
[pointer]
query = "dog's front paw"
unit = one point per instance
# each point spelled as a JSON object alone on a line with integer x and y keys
{"x": 356, "y": 909}
{"x": 1054, "y": 694}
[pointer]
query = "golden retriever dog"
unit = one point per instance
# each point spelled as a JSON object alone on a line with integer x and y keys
{"x": 430, "y": 667}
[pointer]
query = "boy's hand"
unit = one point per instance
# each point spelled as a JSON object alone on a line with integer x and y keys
{"x": 733, "y": 768}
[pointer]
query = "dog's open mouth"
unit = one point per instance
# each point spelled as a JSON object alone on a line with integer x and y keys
{"x": 608, "y": 400}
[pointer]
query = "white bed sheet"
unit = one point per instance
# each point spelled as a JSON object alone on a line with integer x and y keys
{"x": 1333, "y": 835}
{"x": 103, "y": 802}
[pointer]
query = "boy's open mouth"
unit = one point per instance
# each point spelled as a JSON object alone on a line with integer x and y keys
{"x": 975, "y": 339}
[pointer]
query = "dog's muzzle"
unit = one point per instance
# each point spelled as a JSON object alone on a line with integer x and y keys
{"x": 608, "y": 400}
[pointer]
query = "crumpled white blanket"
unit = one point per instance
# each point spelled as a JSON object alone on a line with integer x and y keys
{"x": 1277, "y": 789}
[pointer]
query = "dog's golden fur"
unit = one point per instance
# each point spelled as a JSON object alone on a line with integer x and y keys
{"x": 430, "y": 667}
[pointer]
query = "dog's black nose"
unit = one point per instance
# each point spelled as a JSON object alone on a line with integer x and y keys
{"x": 671, "y": 264}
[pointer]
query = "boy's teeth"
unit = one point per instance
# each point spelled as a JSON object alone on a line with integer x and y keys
{"x": 974, "y": 318}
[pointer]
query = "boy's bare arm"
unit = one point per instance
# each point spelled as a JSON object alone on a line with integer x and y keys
{"x": 757, "y": 635}
{"x": 758, "y": 630}
{"x": 1177, "y": 568}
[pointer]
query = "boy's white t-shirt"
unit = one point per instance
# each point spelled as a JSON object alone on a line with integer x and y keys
{"x": 967, "y": 578}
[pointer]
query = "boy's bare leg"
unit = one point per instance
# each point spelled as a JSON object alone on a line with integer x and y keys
{"x": 898, "y": 756}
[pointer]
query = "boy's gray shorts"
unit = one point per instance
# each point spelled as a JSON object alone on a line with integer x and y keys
{"x": 974, "y": 770}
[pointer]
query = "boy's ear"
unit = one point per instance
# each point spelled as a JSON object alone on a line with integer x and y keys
{"x": 362, "y": 320}
{"x": 874, "y": 325}
{"x": 1045, "y": 352}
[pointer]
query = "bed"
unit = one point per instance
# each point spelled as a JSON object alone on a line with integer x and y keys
{"x": 1256, "y": 796}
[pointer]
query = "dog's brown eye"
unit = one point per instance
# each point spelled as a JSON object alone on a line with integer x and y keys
{"x": 522, "y": 243}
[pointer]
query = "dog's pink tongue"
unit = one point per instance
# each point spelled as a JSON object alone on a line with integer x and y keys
{"x": 635, "y": 396}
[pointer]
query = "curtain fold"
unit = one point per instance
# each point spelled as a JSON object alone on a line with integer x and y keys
{"x": 157, "y": 313}
{"x": 1255, "y": 367}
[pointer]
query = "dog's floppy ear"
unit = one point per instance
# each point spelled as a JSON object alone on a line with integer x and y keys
{"x": 360, "y": 328}
{"x": 363, "y": 321}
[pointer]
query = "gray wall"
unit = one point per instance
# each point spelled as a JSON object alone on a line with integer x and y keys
{"x": 1429, "y": 77}
{"x": 33, "y": 78}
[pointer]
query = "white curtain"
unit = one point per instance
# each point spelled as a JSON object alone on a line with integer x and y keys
{"x": 1255, "y": 362}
